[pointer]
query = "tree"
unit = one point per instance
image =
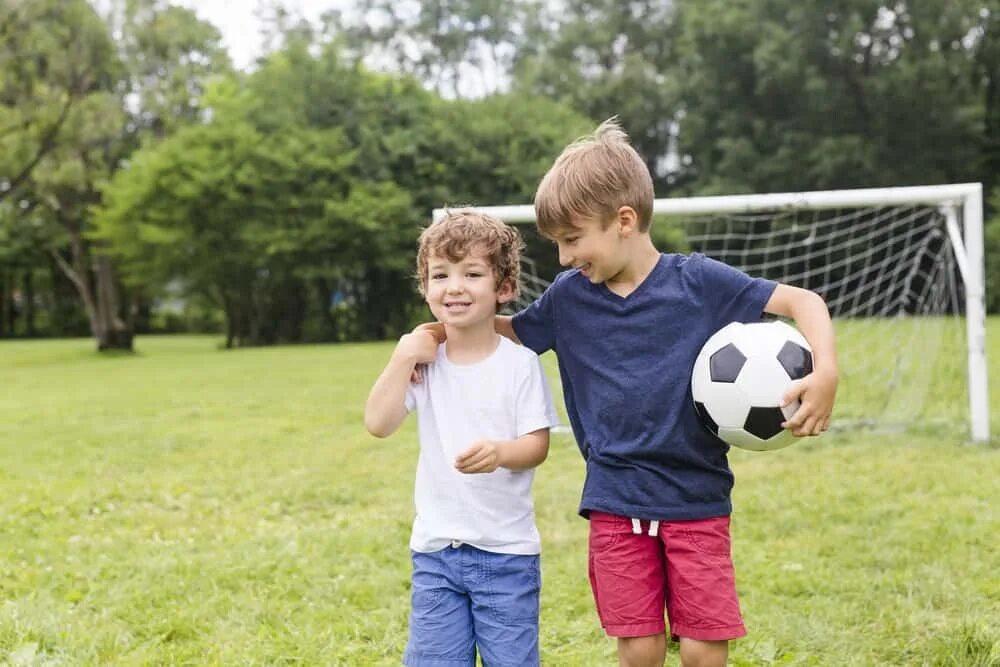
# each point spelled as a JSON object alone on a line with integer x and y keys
{"x": 295, "y": 206}
{"x": 74, "y": 107}
{"x": 457, "y": 47}
{"x": 812, "y": 95}
{"x": 247, "y": 219}
{"x": 52, "y": 56}
{"x": 58, "y": 75}
{"x": 606, "y": 58}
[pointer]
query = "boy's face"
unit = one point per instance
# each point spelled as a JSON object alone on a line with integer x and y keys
{"x": 593, "y": 248}
{"x": 463, "y": 294}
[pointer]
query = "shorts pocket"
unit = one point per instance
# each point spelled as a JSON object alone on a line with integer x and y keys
{"x": 708, "y": 536}
{"x": 514, "y": 584}
{"x": 605, "y": 532}
{"x": 426, "y": 584}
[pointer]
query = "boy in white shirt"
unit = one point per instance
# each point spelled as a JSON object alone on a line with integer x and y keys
{"x": 485, "y": 410}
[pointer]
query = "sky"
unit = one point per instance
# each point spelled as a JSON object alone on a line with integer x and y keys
{"x": 240, "y": 28}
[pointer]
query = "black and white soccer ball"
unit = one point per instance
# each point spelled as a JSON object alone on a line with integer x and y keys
{"x": 739, "y": 378}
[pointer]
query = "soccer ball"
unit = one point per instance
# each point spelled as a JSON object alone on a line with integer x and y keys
{"x": 739, "y": 378}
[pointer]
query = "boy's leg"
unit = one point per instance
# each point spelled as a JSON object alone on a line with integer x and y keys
{"x": 628, "y": 579}
{"x": 505, "y": 591}
{"x": 440, "y": 616}
{"x": 696, "y": 653}
{"x": 702, "y": 603}
{"x": 649, "y": 651}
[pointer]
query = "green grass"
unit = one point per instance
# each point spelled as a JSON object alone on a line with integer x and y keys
{"x": 187, "y": 505}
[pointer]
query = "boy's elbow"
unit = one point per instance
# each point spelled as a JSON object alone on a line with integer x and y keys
{"x": 818, "y": 300}
{"x": 377, "y": 427}
{"x": 542, "y": 452}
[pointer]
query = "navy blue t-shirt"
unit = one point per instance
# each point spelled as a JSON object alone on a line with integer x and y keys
{"x": 626, "y": 364}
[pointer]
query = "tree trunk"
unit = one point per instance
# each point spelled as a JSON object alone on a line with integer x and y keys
{"x": 115, "y": 334}
{"x": 29, "y": 303}
{"x": 6, "y": 307}
{"x": 227, "y": 307}
{"x": 101, "y": 304}
{"x": 328, "y": 328}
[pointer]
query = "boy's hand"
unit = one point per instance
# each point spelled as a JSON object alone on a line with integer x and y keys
{"x": 816, "y": 392}
{"x": 481, "y": 457}
{"x": 420, "y": 346}
{"x": 435, "y": 329}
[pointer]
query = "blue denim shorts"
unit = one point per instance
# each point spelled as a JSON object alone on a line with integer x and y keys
{"x": 464, "y": 599}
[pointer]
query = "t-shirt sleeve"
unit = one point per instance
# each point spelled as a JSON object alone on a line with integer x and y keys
{"x": 412, "y": 390}
{"x": 730, "y": 294}
{"x": 535, "y": 325}
{"x": 535, "y": 408}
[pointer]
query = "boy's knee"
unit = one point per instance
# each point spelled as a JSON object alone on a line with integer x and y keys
{"x": 648, "y": 651}
{"x": 697, "y": 653}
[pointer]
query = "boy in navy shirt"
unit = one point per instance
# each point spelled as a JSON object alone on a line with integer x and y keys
{"x": 627, "y": 323}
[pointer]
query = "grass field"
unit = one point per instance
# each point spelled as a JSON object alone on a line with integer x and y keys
{"x": 191, "y": 506}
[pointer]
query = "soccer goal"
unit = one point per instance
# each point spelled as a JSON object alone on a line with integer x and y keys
{"x": 900, "y": 268}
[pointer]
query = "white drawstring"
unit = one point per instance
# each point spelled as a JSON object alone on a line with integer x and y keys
{"x": 654, "y": 527}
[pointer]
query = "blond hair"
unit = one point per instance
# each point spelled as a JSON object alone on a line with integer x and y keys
{"x": 456, "y": 234}
{"x": 594, "y": 177}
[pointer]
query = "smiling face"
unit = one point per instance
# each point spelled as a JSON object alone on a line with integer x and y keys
{"x": 597, "y": 250}
{"x": 464, "y": 293}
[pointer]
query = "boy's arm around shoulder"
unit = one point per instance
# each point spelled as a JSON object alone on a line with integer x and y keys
{"x": 817, "y": 390}
{"x": 385, "y": 409}
{"x": 504, "y": 325}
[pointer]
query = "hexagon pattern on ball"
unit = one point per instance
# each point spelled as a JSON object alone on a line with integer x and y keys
{"x": 739, "y": 377}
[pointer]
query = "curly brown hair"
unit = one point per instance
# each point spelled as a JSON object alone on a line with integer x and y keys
{"x": 454, "y": 236}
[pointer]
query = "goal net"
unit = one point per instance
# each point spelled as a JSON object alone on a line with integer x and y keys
{"x": 901, "y": 270}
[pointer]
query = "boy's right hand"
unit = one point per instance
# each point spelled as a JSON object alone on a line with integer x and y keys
{"x": 436, "y": 329}
{"x": 422, "y": 343}
{"x": 418, "y": 346}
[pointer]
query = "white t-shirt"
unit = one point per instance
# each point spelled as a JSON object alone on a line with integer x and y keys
{"x": 502, "y": 397}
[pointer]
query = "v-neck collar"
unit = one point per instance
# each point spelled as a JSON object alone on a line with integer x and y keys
{"x": 618, "y": 298}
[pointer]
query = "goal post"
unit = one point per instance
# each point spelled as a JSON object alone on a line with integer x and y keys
{"x": 899, "y": 268}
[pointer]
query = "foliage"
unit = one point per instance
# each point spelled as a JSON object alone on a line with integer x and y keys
{"x": 719, "y": 97}
{"x": 452, "y": 45}
{"x": 309, "y": 184}
{"x": 816, "y": 96}
{"x": 74, "y": 103}
{"x": 608, "y": 58}
{"x": 248, "y": 219}
{"x": 53, "y": 55}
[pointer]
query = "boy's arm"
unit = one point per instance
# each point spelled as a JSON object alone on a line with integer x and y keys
{"x": 386, "y": 406}
{"x": 504, "y": 325}
{"x": 817, "y": 390}
{"x": 523, "y": 453}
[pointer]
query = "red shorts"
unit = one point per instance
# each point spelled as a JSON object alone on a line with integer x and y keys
{"x": 685, "y": 566}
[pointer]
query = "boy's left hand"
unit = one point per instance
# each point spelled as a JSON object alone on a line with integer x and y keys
{"x": 816, "y": 393}
{"x": 480, "y": 457}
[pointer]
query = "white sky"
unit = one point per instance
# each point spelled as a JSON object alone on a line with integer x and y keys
{"x": 240, "y": 28}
